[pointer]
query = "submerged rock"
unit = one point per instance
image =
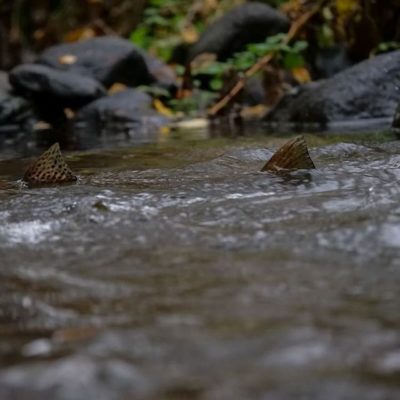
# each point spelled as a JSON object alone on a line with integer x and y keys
{"x": 66, "y": 88}
{"x": 249, "y": 23}
{"x": 366, "y": 92}
{"x": 108, "y": 59}
{"x": 129, "y": 111}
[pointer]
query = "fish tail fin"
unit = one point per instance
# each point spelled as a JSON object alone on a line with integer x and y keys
{"x": 291, "y": 156}
{"x": 49, "y": 168}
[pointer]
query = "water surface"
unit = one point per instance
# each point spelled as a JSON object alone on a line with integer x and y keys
{"x": 177, "y": 270}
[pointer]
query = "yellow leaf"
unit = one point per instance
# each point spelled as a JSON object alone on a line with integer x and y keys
{"x": 162, "y": 109}
{"x": 189, "y": 34}
{"x": 165, "y": 130}
{"x": 116, "y": 88}
{"x": 79, "y": 34}
{"x": 254, "y": 112}
{"x": 346, "y": 6}
{"x": 301, "y": 75}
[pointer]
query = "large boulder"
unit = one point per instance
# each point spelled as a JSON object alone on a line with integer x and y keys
{"x": 366, "y": 92}
{"x": 129, "y": 112}
{"x": 65, "y": 88}
{"x": 248, "y": 23}
{"x": 108, "y": 59}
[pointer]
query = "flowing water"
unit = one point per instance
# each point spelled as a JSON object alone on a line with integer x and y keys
{"x": 176, "y": 270}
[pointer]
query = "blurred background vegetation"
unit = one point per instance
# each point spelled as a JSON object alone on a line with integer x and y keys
{"x": 364, "y": 27}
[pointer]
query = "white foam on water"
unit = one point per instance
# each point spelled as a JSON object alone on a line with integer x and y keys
{"x": 27, "y": 232}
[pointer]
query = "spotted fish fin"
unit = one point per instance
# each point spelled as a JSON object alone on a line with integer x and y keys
{"x": 291, "y": 156}
{"x": 49, "y": 168}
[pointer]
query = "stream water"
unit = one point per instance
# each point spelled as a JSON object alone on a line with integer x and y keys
{"x": 176, "y": 270}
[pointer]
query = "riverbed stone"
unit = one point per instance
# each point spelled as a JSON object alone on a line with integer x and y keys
{"x": 16, "y": 113}
{"x": 366, "y": 92}
{"x": 66, "y": 88}
{"x": 129, "y": 112}
{"x": 248, "y": 23}
{"x": 327, "y": 62}
{"x": 4, "y": 82}
{"x": 109, "y": 60}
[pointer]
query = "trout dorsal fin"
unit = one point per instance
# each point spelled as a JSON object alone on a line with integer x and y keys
{"x": 49, "y": 168}
{"x": 291, "y": 156}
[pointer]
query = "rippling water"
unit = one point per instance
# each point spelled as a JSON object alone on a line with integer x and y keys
{"x": 176, "y": 270}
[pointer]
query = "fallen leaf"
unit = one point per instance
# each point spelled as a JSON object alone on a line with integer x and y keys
{"x": 161, "y": 108}
{"x": 301, "y": 75}
{"x": 117, "y": 87}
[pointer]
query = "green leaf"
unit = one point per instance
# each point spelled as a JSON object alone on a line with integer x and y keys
{"x": 300, "y": 46}
{"x": 293, "y": 60}
{"x": 216, "y": 84}
{"x": 140, "y": 36}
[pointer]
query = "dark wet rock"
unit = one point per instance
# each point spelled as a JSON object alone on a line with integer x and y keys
{"x": 16, "y": 113}
{"x": 129, "y": 111}
{"x": 12, "y": 108}
{"x": 365, "y": 93}
{"x": 4, "y": 83}
{"x": 249, "y": 23}
{"x": 109, "y": 60}
{"x": 254, "y": 91}
{"x": 396, "y": 119}
{"x": 66, "y": 88}
{"x": 162, "y": 75}
{"x": 328, "y": 62}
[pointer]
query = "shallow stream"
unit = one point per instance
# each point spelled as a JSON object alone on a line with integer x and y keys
{"x": 176, "y": 270}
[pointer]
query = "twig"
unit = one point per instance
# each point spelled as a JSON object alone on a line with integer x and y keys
{"x": 294, "y": 30}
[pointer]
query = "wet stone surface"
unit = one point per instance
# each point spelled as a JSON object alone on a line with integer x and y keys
{"x": 369, "y": 90}
{"x": 109, "y": 60}
{"x": 66, "y": 88}
{"x": 129, "y": 111}
{"x": 177, "y": 270}
{"x": 242, "y": 25}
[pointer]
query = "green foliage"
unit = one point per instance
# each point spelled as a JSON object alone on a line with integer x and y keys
{"x": 289, "y": 57}
{"x": 198, "y": 101}
{"x": 325, "y": 32}
{"x": 384, "y": 47}
{"x": 154, "y": 91}
{"x": 161, "y": 26}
